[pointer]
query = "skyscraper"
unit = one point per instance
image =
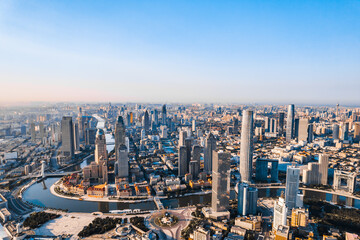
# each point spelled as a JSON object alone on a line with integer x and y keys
{"x": 335, "y": 131}
{"x": 123, "y": 161}
{"x": 119, "y": 134}
{"x": 236, "y": 126}
{"x": 247, "y": 199}
{"x": 163, "y": 115}
{"x": 76, "y": 136}
{"x": 246, "y": 149}
{"x": 32, "y": 132}
{"x": 344, "y": 131}
{"x": 323, "y": 168}
{"x": 67, "y": 137}
{"x": 280, "y": 213}
{"x": 292, "y": 186}
{"x": 100, "y": 146}
{"x": 188, "y": 149}
{"x": 194, "y": 169}
{"x": 156, "y": 117}
{"x": 281, "y": 123}
{"x": 182, "y": 161}
{"x": 305, "y": 130}
{"x": 221, "y": 181}
{"x": 210, "y": 146}
{"x": 290, "y": 123}
{"x": 193, "y": 125}
{"x": 182, "y": 137}
{"x": 146, "y": 121}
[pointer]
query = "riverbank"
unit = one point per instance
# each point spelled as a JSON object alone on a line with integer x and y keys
{"x": 108, "y": 199}
{"x": 92, "y": 199}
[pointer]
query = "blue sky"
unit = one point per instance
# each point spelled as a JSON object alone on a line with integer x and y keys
{"x": 180, "y": 51}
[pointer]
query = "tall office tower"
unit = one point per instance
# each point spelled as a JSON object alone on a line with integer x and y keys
{"x": 246, "y": 148}
{"x": 194, "y": 169}
{"x": 242, "y": 198}
{"x": 344, "y": 131}
{"x": 280, "y": 213}
{"x": 305, "y": 130}
{"x": 210, "y": 146}
{"x": 146, "y": 121}
{"x": 163, "y": 115}
{"x": 182, "y": 161}
{"x": 188, "y": 150}
{"x": 335, "y": 131}
{"x": 119, "y": 134}
{"x": 221, "y": 181}
{"x": 123, "y": 161}
{"x": 42, "y": 131}
{"x": 281, "y": 123}
{"x": 182, "y": 137}
{"x": 193, "y": 125}
{"x": 156, "y": 117}
{"x": 32, "y": 132}
{"x": 90, "y": 136}
{"x": 100, "y": 146}
{"x": 357, "y": 131}
{"x": 324, "y": 168}
{"x": 290, "y": 122}
{"x": 76, "y": 137}
{"x": 292, "y": 186}
{"x": 267, "y": 124}
{"x": 81, "y": 129}
{"x": 67, "y": 137}
{"x": 296, "y": 128}
{"x": 252, "y": 200}
{"x": 247, "y": 199}
{"x": 196, "y": 153}
{"x": 236, "y": 126}
{"x": 311, "y": 133}
{"x": 23, "y": 130}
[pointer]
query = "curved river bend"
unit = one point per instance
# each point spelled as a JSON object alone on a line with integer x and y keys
{"x": 40, "y": 194}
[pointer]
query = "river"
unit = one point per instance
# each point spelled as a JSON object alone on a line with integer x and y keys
{"x": 43, "y": 197}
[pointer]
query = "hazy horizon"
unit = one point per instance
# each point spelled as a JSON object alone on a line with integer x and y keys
{"x": 301, "y": 52}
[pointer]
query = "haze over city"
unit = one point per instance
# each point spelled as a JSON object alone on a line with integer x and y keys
{"x": 305, "y": 52}
{"x": 189, "y": 120}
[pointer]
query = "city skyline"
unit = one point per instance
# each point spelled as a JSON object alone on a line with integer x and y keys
{"x": 229, "y": 52}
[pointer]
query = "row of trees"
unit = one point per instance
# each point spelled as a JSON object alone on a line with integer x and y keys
{"x": 99, "y": 226}
{"x": 37, "y": 219}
